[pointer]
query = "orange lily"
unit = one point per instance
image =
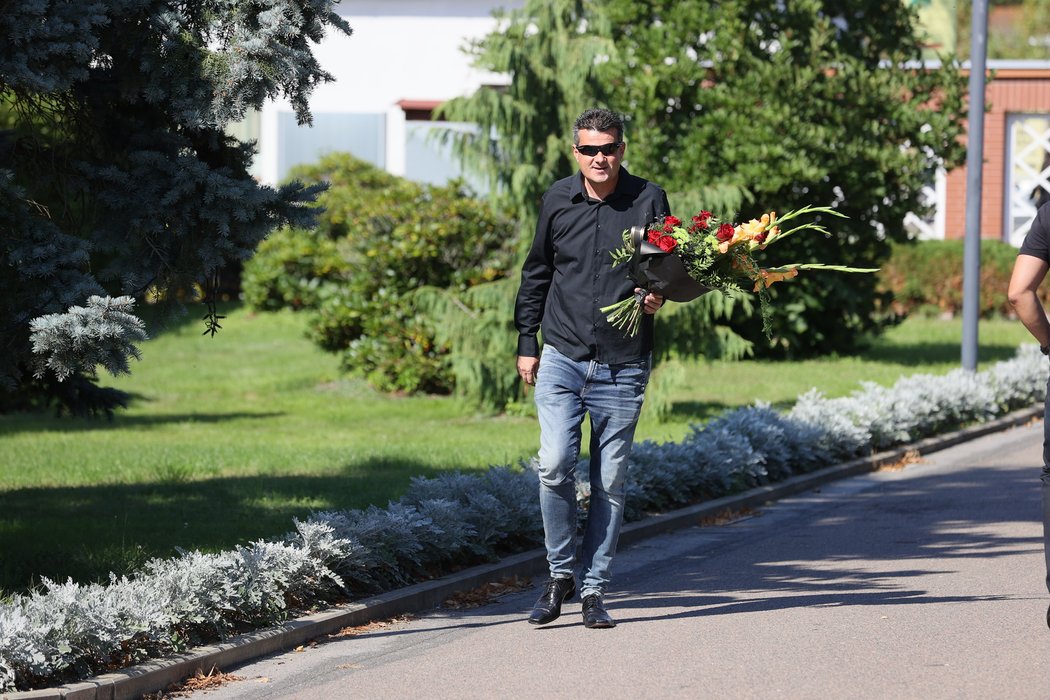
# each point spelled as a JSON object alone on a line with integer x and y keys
{"x": 766, "y": 278}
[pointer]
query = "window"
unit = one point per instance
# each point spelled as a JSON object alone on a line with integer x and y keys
{"x": 248, "y": 129}
{"x": 931, "y": 225}
{"x": 360, "y": 134}
{"x": 1027, "y": 171}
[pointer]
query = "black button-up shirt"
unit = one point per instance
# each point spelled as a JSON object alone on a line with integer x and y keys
{"x": 568, "y": 275}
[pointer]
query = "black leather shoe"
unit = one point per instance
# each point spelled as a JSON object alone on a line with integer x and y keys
{"x": 594, "y": 614}
{"x": 548, "y": 607}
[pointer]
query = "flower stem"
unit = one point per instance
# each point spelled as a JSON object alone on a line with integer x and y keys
{"x": 626, "y": 315}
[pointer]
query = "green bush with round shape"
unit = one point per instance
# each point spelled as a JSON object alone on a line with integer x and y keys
{"x": 378, "y": 238}
{"x": 289, "y": 270}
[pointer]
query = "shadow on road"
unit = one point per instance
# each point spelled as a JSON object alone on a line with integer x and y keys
{"x": 833, "y": 554}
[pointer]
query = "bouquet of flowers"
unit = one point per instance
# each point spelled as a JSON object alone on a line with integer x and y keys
{"x": 682, "y": 261}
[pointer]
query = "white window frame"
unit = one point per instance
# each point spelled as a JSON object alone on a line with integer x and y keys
{"x": 1017, "y": 200}
{"x": 935, "y": 195}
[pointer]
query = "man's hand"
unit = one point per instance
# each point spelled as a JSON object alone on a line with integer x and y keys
{"x": 527, "y": 368}
{"x": 652, "y": 302}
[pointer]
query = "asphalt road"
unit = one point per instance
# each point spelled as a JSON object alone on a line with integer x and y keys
{"x": 924, "y": 582}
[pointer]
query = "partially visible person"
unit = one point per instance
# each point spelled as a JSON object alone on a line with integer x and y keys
{"x": 1030, "y": 269}
{"x": 587, "y": 367}
{"x": 1041, "y": 193}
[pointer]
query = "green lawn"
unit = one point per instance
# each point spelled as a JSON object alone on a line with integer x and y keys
{"x": 230, "y": 437}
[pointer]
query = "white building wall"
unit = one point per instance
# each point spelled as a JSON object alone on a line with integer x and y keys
{"x": 400, "y": 50}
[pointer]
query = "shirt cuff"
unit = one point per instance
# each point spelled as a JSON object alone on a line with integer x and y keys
{"x": 528, "y": 346}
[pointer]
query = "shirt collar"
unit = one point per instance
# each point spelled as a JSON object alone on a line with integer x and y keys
{"x": 577, "y": 192}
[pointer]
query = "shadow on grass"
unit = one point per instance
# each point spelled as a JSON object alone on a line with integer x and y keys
{"x": 170, "y": 317}
{"x": 697, "y": 411}
{"x": 919, "y": 354}
{"x": 87, "y": 532}
{"x": 41, "y": 423}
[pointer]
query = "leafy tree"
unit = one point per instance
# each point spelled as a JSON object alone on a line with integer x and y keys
{"x": 116, "y": 176}
{"x": 807, "y": 102}
{"x": 813, "y": 102}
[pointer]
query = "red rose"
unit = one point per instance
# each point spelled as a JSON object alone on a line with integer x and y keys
{"x": 670, "y": 222}
{"x": 654, "y": 235}
{"x": 700, "y": 222}
{"x": 666, "y": 243}
{"x": 725, "y": 233}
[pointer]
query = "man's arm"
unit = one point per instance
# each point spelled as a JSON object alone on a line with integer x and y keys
{"x": 1028, "y": 274}
{"x": 536, "y": 275}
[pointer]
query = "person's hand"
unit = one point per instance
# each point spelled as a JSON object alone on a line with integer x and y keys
{"x": 527, "y": 368}
{"x": 651, "y": 303}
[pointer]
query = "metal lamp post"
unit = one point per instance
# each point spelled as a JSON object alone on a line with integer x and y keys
{"x": 974, "y": 165}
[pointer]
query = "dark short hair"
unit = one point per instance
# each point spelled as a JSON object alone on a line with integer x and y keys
{"x": 597, "y": 119}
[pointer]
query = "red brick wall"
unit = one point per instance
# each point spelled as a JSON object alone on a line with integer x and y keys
{"x": 1010, "y": 91}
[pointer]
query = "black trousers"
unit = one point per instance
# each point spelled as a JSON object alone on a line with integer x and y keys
{"x": 1046, "y": 483}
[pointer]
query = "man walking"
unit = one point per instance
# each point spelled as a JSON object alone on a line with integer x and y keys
{"x": 1030, "y": 269}
{"x": 587, "y": 367}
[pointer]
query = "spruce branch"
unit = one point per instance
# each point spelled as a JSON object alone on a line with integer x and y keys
{"x": 102, "y": 333}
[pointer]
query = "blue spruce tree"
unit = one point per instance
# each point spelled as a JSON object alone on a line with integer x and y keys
{"x": 116, "y": 175}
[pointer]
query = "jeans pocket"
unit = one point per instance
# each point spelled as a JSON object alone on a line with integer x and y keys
{"x": 634, "y": 374}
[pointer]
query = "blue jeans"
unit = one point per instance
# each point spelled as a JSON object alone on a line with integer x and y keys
{"x": 567, "y": 390}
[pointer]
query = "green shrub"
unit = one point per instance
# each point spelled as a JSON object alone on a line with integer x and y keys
{"x": 289, "y": 269}
{"x": 925, "y": 276}
{"x": 378, "y": 238}
{"x": 397, "y": 352}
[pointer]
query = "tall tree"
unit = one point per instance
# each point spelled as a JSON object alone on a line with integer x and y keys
{"x": 552, "y": 50}
{"x": 116, "y": 176}
{"x": 779, "y": 104}
{"x": 808, "y": 102}
{"x": 520, "y": 147}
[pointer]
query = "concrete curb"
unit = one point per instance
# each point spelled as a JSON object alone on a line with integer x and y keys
{"x": 159, "y": 674}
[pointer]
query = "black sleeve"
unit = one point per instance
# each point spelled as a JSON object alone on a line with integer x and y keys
{"x": 1037, "y": 241}
{"x": 536, "y": 275}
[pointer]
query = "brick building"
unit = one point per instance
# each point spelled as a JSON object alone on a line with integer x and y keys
{"x": 1016, "y": 156}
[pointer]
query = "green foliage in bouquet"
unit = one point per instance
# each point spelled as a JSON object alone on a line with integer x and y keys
{"x": 378, "y": 238}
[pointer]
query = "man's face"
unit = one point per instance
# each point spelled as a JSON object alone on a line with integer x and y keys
{"x": 599, "y": 168}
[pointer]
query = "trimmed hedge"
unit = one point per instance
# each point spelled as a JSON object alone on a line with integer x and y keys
{"x": 69, "y": 631}
{"x": 927, "y": 277}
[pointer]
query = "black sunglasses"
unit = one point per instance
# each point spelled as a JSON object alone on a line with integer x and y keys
{"x": 606, "y": 149}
